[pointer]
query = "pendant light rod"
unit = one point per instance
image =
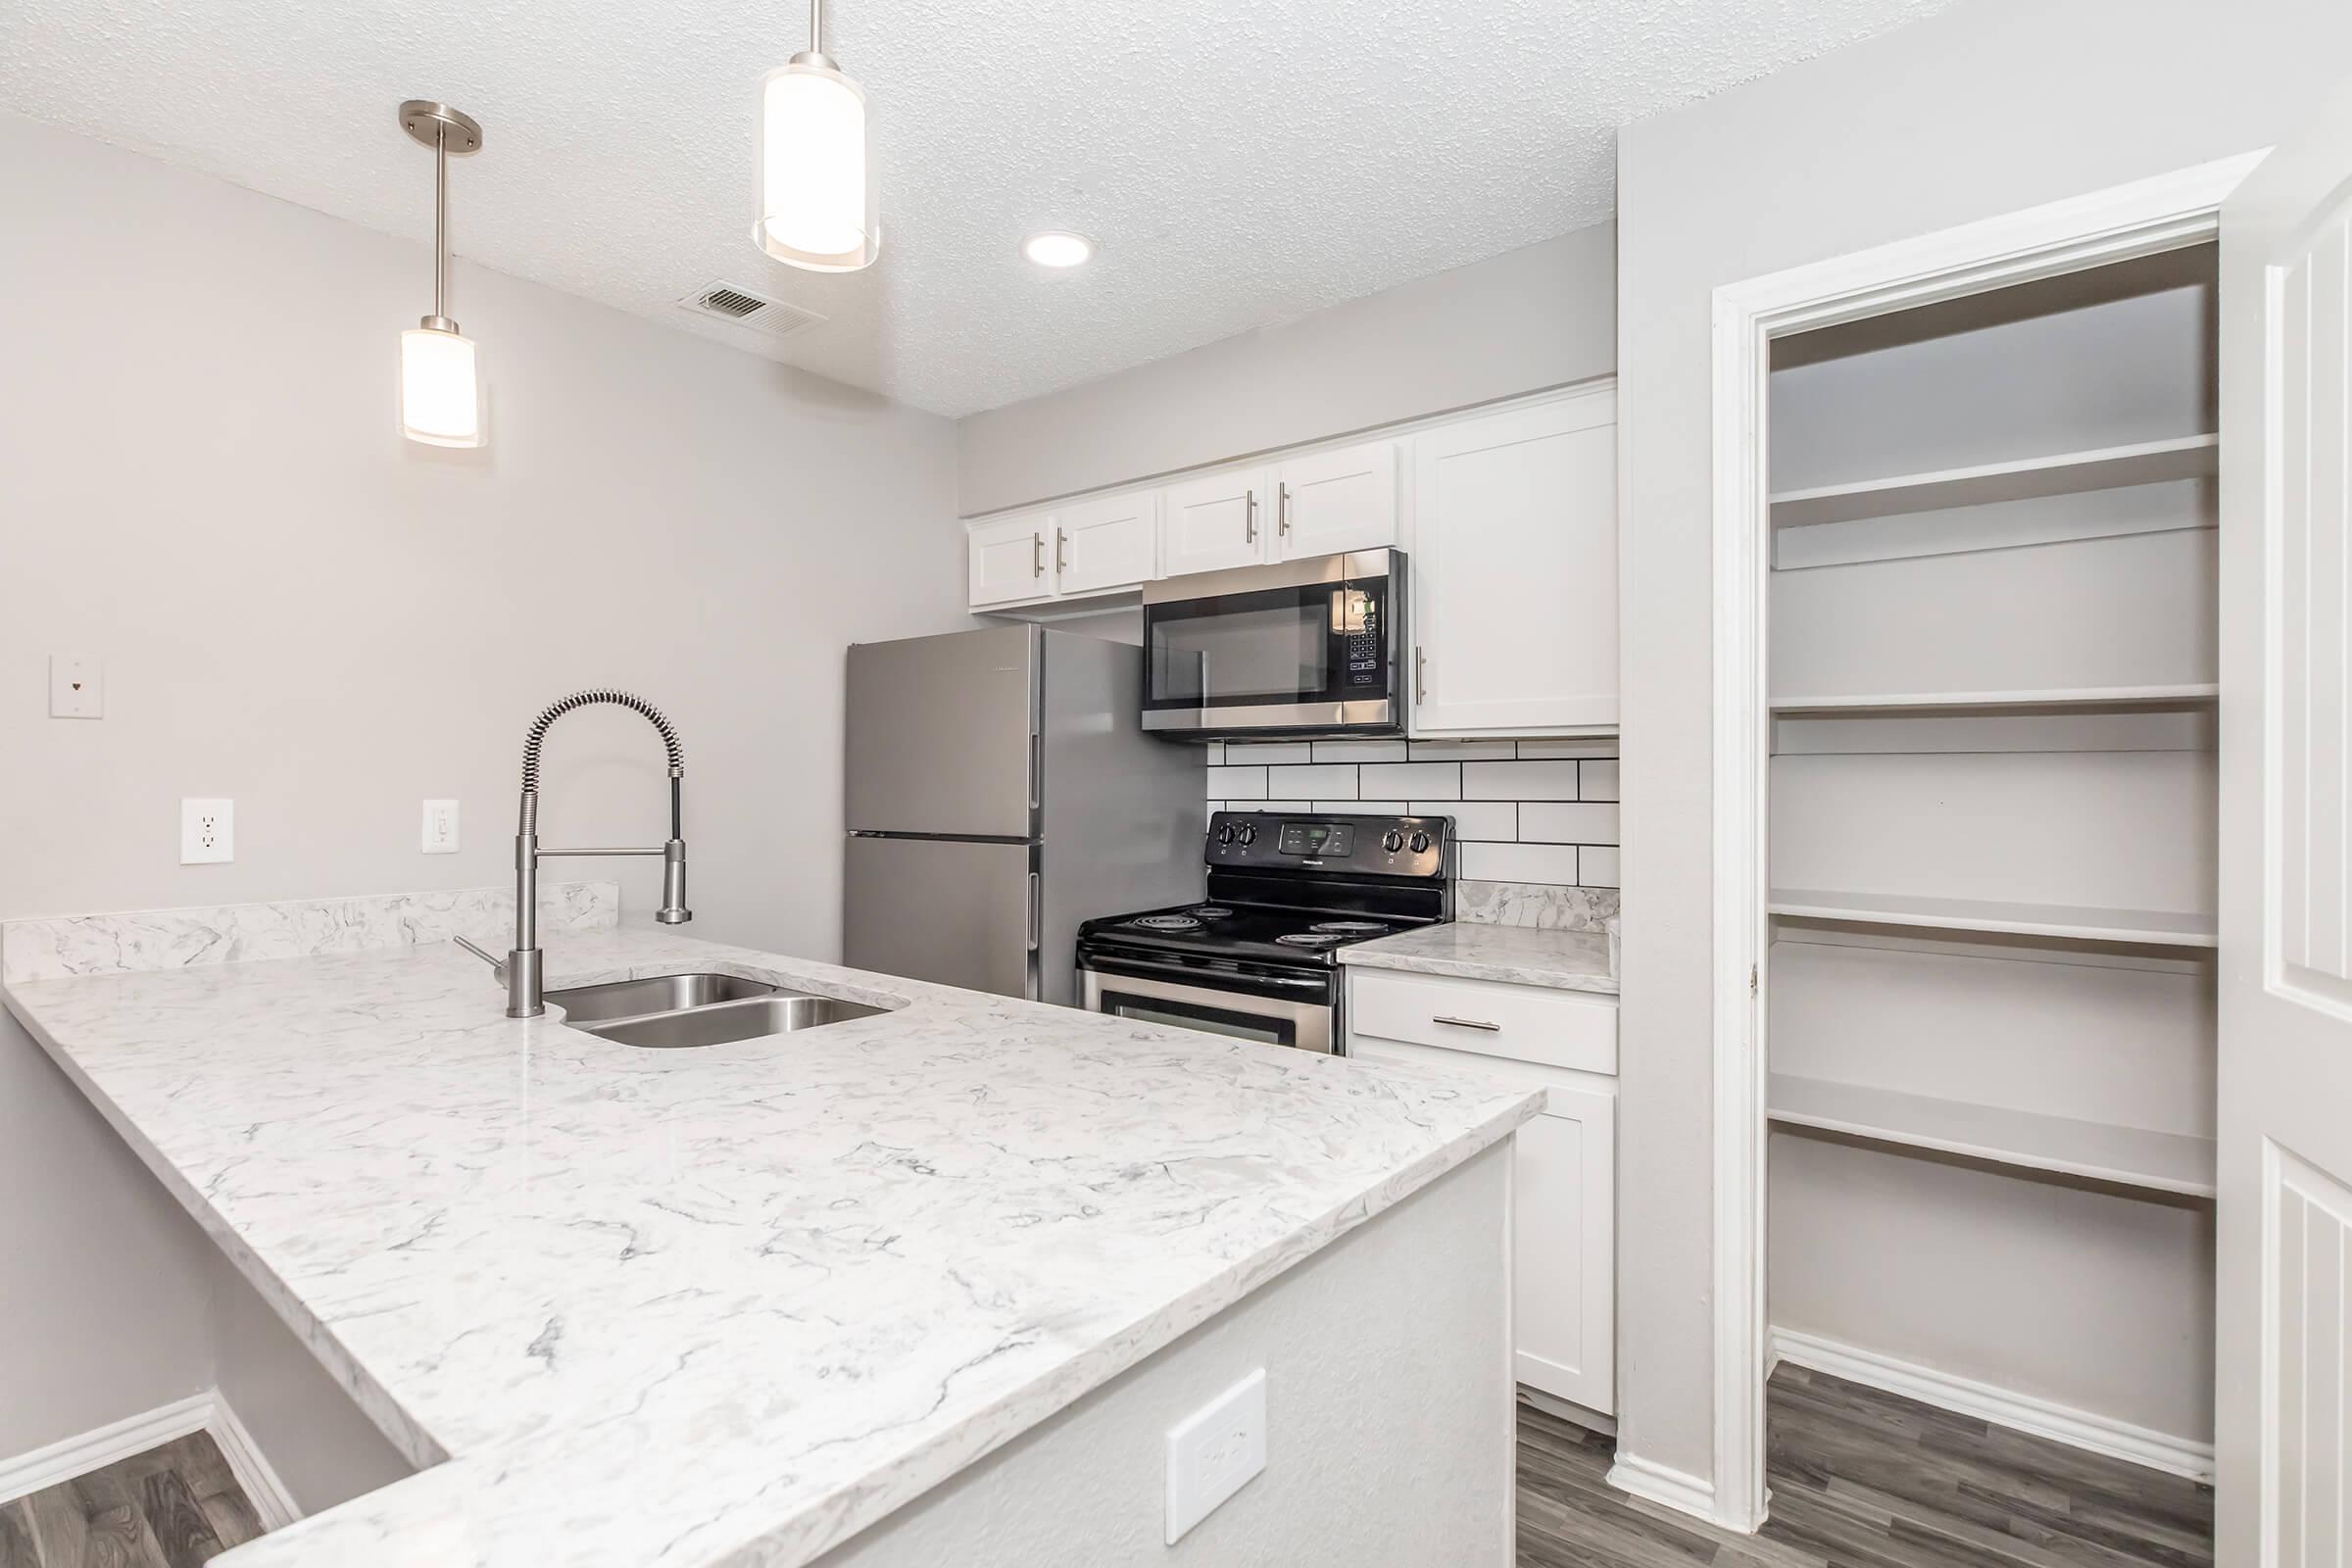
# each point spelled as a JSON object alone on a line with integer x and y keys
{"x": 817, "y": 18}
{"x": 448, "y": 132}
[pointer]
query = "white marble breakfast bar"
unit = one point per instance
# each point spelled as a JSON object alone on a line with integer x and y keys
{"x": 747, "y": 1304}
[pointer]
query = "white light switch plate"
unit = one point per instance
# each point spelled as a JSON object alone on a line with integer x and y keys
{"x": 207, "y": 831}
{"x": 76, "y": 687}
{"x": 1214, "y": 1451}
{"x": 440, "y": 828}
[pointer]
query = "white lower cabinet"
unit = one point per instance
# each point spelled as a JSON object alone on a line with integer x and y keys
{"x": 1564, "y": 1175}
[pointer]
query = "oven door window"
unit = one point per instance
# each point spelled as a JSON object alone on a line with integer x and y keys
{"x": 1214, "y": 1020}
{"x": 1318, "y": 643}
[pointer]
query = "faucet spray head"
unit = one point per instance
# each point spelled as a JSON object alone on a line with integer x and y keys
{"x": 673, "y": 910}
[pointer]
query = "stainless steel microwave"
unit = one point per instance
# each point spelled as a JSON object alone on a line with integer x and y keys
{"x": 1309, "y": 647}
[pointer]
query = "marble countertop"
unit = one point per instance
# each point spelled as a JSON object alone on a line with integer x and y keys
{"x": 1565, "y": 961}
{"x": 730, "y": 1305}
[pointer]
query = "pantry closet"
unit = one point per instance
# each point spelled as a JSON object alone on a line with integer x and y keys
{"x": 1992, "y": 645}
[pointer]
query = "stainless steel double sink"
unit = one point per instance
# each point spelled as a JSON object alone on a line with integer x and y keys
{"x": 665, "y": 1012}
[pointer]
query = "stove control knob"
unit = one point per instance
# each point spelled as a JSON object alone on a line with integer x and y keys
{"x": 1420, "y": 843}
{"x": 1225, "y": 834}
{"x": 1391, "y": 840}
{"x": 1249, "y": 835}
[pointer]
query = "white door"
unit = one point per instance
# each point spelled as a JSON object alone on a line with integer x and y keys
{"x": 1563, "y": 1249}
{"x": 2283, "y": 1402}
{"x": 1112, "y": 542}
{"x": 1008, "y": 559}
{"x": 1216, "y": 522}
{"x": 1515, "y": 570}
{"x": 1327, "y": 502}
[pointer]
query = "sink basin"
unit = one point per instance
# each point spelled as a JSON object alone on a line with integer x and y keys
{"x": 660, "y": 993}
{"x": 720, "y": 1023}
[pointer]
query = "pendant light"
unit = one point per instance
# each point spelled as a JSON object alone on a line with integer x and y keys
{"x": 440, "y": 396}
{"x": 815, "y": 163}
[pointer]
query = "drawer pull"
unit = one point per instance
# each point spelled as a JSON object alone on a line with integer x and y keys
{"x": 1467, "y": 1023}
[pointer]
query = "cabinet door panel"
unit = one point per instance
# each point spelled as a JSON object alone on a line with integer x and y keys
{"x": 1327, "y": 502}
{"x": 1563, "y": 1219}
{"x": 1563, "y": 1250}
{"x": 1216, "y": 522}
{"x": 1108, "y": 543}
{"x": 1515, "y": 596}
{"x": 1009, "y": 559}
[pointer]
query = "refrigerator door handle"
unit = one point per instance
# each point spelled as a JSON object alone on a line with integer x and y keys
{"x": 1037, "y": 910}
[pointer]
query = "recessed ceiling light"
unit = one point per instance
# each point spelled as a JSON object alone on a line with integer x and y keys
{"x": 1056, "y": 249}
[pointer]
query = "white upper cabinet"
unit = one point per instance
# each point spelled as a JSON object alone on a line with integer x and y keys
{"x": 1111, "y": 542}
{"x": 1515, "y": 570}
{"x": 1219, "y": 520}
{"x": 1327, "y": 502}
{"x": 1010, "y": 559}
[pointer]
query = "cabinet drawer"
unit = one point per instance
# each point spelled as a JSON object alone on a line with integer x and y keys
{"x": 1566, "y": 1029}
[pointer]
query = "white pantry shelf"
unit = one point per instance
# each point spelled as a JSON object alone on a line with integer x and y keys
{"x": 2125, "y": 1157}
{"x": 2191, "y": 456}
{"x": 2189, "y": 693}
{"x": 2072, "y": 922}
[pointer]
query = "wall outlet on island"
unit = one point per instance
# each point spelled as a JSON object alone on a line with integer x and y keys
{"x": 440, "y": 828}
{"x": 1214, "y": 1452}
{"x": 207, "y": 831}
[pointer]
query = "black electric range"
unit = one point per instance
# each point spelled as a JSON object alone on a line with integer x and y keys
{"x": 1259, "y": 957}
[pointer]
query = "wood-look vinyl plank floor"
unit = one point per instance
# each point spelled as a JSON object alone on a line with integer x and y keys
{"x": 174, "y": 1506}
{"x": 1862, "y": 1478}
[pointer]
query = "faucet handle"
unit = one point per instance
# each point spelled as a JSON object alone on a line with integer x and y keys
{"x": 498, "y": 967}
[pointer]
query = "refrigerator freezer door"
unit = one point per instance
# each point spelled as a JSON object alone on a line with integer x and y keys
{"x": 948, "y": 910}
{"x": 941, "y": 734}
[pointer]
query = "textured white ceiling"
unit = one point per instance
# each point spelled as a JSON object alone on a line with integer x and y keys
{"x": 1239, "y": 163}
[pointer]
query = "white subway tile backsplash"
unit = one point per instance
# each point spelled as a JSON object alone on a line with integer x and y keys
{"x": 1276, "y": 805}
{"x": 1547, "y": 751}
{"x": 1214, "y": 806}
{"x": 1597, "y": 780}
{"x": 1553, "y": 863}
{"x": 1519, "y": 781}
{"x": 1236, "y": 783}
{"x": 1569, "y": 822}
{"x": 1359, "y": 750}
{"x": 1597, "y": 865}
{"x": 1267, "y": 752}
{"x": 1416, "y": 781}
{"x": 1496, "y": 820}
{"x": 1459, "y": 751}
{"x": 1334, "y": 780}
{"x": 1216, "y": 753}
{"x": 1364, "y": 808}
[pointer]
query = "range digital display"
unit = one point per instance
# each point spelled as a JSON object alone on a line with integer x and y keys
{"x": 1315, "y": 839}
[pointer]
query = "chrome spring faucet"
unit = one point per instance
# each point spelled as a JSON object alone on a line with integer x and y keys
{"x": 521, "y": 970}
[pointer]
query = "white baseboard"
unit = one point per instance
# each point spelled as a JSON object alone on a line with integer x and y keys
{"x": 134, "y": 1434}
{"x": 1655, "y": 1483}
{"x": 2004, "y": 1408}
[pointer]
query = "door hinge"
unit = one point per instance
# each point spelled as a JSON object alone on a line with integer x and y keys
{"x": 1752, "y": 979}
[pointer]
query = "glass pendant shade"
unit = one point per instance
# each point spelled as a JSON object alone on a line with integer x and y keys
{"x": 440, "y": 404}
{"x": 817, "y": 207}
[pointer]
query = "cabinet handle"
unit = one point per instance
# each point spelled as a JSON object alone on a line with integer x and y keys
{"x": 1062, "y": 559}
{"x": 1036, "y": 555}
{"x": 1250, "y": 520}
{"x": 1468, "y": 1023}
{"x": 1282, "y": 508}
{"x": 1420, "y": 674}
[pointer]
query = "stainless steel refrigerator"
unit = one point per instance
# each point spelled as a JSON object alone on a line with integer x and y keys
{"x": 999, "y": 791}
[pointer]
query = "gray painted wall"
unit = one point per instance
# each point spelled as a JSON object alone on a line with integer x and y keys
{"x": 298, "y": 608}
{"x": 1389, "y": 1442}
{"x": 1985, "y": 109}
{"x": 1541, "y": 317}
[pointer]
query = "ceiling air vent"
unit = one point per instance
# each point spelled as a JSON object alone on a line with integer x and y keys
{"x": 743, "y": 307}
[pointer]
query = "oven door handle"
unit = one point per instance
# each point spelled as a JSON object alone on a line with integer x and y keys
{"x": 1142, "y": 969}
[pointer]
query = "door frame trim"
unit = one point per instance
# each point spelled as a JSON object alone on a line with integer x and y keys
{"x": 2140, "y": 219}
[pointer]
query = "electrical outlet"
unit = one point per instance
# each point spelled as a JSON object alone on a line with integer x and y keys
{"x": 207, "y": 831}
{"x": 440, "y": 828}
{"x": 1214, "y": 1451}
{"x": 76, "y": 687}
